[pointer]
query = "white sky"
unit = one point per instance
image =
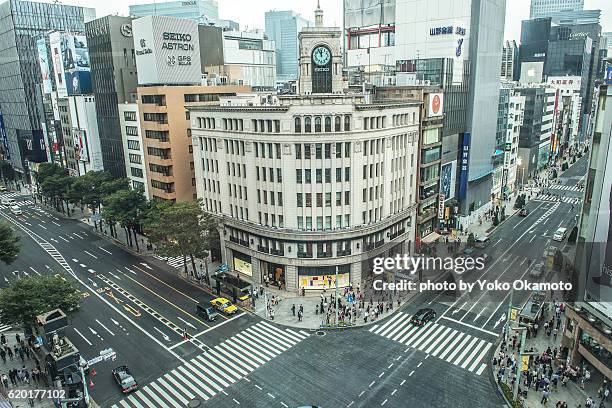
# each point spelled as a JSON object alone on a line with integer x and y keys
{"x": 250, "y": 13}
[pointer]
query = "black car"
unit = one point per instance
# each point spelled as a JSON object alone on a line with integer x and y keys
{"x": 423, "y": 316}
{"x": 123, "y": 377}
{"x": 207, "y": 312}
{"x": 524, "y": 212}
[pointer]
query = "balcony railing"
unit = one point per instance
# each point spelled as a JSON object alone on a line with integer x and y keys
{"x": 324, "y": 255}
{"x": 346, "y": 252}
{"x": 304, "y": 254}
{"x": 263, "y": 249}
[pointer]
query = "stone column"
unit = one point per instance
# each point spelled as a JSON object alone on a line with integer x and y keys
{"x": 291, "y": 277}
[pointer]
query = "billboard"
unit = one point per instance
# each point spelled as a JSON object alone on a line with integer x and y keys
{"x": 55, "y": 40}
{"x": 80, "y": 145}
{"x": 447, "y": 179}
{"x": 435, "y": 105}
{"x": 4, "y": 136}
{"x": 608, "y": 76}
{"x": 464, "y": 162}
{"x": 77, "y": 70}
{"x": 43, "y": 62}
{"x": 167, "y": 50}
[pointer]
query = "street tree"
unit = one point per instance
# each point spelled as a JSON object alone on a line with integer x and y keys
{"x": 7, "y": 173}
{"x": 9, "y": 244}
{"x": 127, "y": 208}
{"x": 54, "y": 183}
{"x": 28, "y": 297}
{"x": 177, "y": 230}
{"x": 213, "y": 241}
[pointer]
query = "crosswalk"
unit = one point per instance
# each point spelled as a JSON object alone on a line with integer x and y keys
{"x": 175, "y": 262}
{"x": 455, "y": 347}
{"x": 565, "y": 188}
{"x": 5, "y": 327}
{"x": 16, "y": 196}
{"x": 552, "y": 198}
{"x": 211, "y": 373}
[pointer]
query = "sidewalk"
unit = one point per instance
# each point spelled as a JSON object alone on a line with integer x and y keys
{"x": 571, "y": 393}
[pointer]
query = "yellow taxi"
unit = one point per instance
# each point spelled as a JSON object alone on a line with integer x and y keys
{"x": 224, "y": 305}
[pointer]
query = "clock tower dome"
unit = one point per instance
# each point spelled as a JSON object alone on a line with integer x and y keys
{"x": 320, "y": 58}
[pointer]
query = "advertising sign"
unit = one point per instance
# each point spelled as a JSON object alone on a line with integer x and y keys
{"x": 55, "y": 40}
{"x": 77, "y": 71}
{"x": 4, "y": 137}
{"x": 436, "y": 105}
{"x": 243, "y": 267}
{"x": 441, "y": 207}
{"x": 608, "y": 76}
{"x": 447, "y": 179}
{"x": 80, "y": 145}
{"x": 167, "y": 50}
{"x": 43, "y": 62}
{"x": 464, "y": 163}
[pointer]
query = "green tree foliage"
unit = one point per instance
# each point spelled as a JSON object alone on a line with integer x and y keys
{"x": 126, "y": 207}
{"x": 54, "y": 183}
{"x": 179, "y": 230}
{"x": 7, "y": 173}
{"x": 9, "y": 244}
{"x": 26, "y": 298}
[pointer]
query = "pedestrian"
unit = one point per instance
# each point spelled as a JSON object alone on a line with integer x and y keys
{"x": 544, "y": 396}
{"x": 21, "y": 354}
{"x": 9, "y": 352}
{"x": 293, "y": 309}
{"x": 300, "y": 315}
{"x": 302, "y": 309}
{"x": 3, "y": 339}
{"x": 5, "y": 381}
{"x": 555, "y": 331}
{"x": 17, "y": 338}
{"x": 3, "y": 356}
{"x": 317, "y": 309}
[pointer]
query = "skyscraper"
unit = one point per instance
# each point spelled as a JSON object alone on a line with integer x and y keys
{"x": 206, "y": 11}
{"x": 543, "y": 8}
{"x": 283, "y": 27}
{"x": 510, "y": 61}
{"x": 23, "y": 116}
{"x": 114, "y": 80}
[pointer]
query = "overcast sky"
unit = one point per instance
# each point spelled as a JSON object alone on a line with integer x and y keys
{"x": 250, "y": 13}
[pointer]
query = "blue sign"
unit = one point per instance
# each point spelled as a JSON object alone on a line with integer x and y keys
{"x": 4, "y": 138}
{"x": 349, "y": 298}
{"x": 464, "y": 163}
{"x": 459, "y": 45}
{"x": 447, "y": 30}
{"x": 607, "y": 77}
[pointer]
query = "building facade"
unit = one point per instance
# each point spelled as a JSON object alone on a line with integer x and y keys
{"x": 114, "y": 80}
{"x": 133, "y": 147}
{"x": 283, "y": 27}
{"x": 510, "y": 61}
{"x": 516, "y": 111}
{"x": 21, "y": 103}
{"x": 201, "y": 11}
{"x": 542, "y": 8}
{"x": 166, "y": 136}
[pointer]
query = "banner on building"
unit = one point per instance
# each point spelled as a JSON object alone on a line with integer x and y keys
{"x": 447, "y": 179}
{"x": 43, "y": 62}
{"x": 465, "y": 164}
{"x": 4, "y": 136}
{"x": 77, "y": 71}
{"x": 80, "y": 145}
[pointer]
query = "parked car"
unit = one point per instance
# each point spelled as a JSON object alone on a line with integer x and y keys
{"x": 524, "y": 212}
{"x": 422, "y": 316}
{"x": 123, "y": 377}
{"x": 537, "y": 270}
{"x": 207, "y": 312}
{"x": 223, "y": 305}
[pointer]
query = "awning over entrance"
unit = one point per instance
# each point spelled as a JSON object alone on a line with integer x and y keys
{"x": 428, "y": 239}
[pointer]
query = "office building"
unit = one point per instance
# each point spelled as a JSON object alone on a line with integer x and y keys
{"x": 200, "y": 11}
{"x": 588, "y": 328}
{"x": 283, "y": 27}
{"x": 114, "y": 81}
{"x": 249, "y": 58}
{"x": 166, "y": 136}
{"x": 21, "y": 104}
{"x": 569, "y": 108}
{"x": 510, "y": 120}
{"x": 133, "y": 147}
{"x": 543, "y": 8}
{"x": 510, "y": 61}
{"x": 294, "y": 210}
{"x": 536, "y": 131}
{"x": 575, "y": 17}
{"x": 436, "y": 183}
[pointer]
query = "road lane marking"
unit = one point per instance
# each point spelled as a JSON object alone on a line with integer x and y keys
{"x": 532, "y": 238}
{"x": 108, "y": 252}
{"x": 81, "y": 334}
{"x": 90, "y": 254}
{"x": 42, "y": 226}
{"x": 60, "y": 237}
{"x": 77, "y": 235}
{"x": 56, "y": 223}
{"x": 186, "y": 322}
{"x": 410, "y": 375}
{"x": 164, "y": 283}
{"x": 381, "y": 374}
{"x": 471, "y": 326}
{"x": 234, "y": 399}
{"x": 104, "y": 327}
{"x": 271, "y": 396}
{"x": 420, "y": 364}
{"x": 384, "y": 402}
{"x": 82, "y": 265}
{"x": 35, "y": 271}
{"x": 258, "y": 387}
{"x": 362, "y": 392}
{"x": 164, "y": 335}
{"x": 371, "y": 384}
{"x": 402, "y": 383}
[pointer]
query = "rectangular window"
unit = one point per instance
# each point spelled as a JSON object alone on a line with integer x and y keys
{"x": 280, "y": 198}
{"x": 319, "y": 173}
{"x": 133, "y": 144}
{"x": 328, "y": 199}
{"x": 298, "y": 176}
{"x": 131, "y": 130}
{"x": 135, "y": 158}
{"x": 307, "y": 151}
{"x": 318, "y": 151}
{"x": 308, "y": 200}
{"x": 279, "y": 175}
{"x": 347, "y": 198}
{"x": 347, "y": 174}
{"x": 298, "y": 151}
{"x": 136, "y": 172}
{"x": 338, "y": 198}
{"x": 328, "y": 150}
{"x": 338, "y": 150}
{"x": 307, "y": 176}
{"x": 300, "y": 200}
{"x": 319, "y": 199}
{"x": 338, "y": 174}
{"x": 328, "y": 175}
{"x": 300, "y": 223}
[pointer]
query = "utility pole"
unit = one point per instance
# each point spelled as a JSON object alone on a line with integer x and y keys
{"x": 337, "y": 312}
{"x": 509, "y": 314}
{"x": 519, "y": 363}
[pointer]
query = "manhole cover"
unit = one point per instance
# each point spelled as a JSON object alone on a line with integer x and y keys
{"x": 194, "y": 403}
{"x": 321, "y": 333}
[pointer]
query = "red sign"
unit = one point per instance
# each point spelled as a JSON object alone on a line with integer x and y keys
{"x": 435, "y": 105}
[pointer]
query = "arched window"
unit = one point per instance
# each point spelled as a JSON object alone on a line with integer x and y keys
{"x": 347, "y": 123}
{"x": 337, "y": 124}
{"x": 307, "y": 125}
{"x": 317, "y": 124}
{"x": 298, "y": 124}
{"x": 327, "y": 124}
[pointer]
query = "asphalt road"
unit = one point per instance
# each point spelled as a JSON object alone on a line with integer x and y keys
{"x": 139, "y": 308}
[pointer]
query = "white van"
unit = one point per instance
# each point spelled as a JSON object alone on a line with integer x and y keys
{"x": 559, "y": 234}
{"x": 8, "y": 201}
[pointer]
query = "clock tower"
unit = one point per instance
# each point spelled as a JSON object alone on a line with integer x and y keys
{"x": 320, "y": 58}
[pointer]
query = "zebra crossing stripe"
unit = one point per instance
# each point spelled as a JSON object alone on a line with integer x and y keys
{"x": 280, "y": 342}
{"x": 419, "y": 333}
{"x": 471, "y": 356}
{"x": 172, "y": 391}
{"x": 220, "y": 373}
{"x": 450, "y": 336}
{"x": 397, "y": 326}
{"x": 230, "y": 365}
{"x": 420, "y": 343}
{"x": 133, "y": 401}
{"x": 258, "y": 341}
{"x": 176, "y": 377}
{"x": 196, "y": 379}
{"x": 178, "y": 386}
{"x": 466, "y": 350}
{"x": 388, "y": 322}
{"x": 443, "y": 335}
{"x": 401, "y": 333}
{"x": 480, "y": 357}
{"x": 409, "y": 332}
{"x": 242, "y": 363}
{"x": 430, "y": 339}
{"x": 285, "y": 334}
{"x": 244, "y": 344}
{"x": 458, "y": 349}
{"x": 452, "y": 345}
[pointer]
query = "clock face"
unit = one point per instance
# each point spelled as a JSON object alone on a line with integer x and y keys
{"x": 321, "y": 55}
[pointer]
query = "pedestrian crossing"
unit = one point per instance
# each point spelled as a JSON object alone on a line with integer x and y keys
{"x": 211, "y": 373}
{"x": 175, "y": 262}
{"x": 16, "y": 196}
{"x": 554, "y": 198}
{"x": 5, "y": 327}
{"x": 455, "y": 347}
{"x": 565, "y": 188}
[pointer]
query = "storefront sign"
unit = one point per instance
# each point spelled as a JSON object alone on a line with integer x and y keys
{"x": 126, "y": 30}
{"x": 436, "y": 105}
{"x": 243, "y": 267}
{"x": 441, "y": 206}
{"x": 447, "y": 30}
{"x": 608, "y": 76}
{"x": 464, "y": 163}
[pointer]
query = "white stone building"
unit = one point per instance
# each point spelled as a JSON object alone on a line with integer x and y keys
{"x": 131, "y": 136}
{"x": 516, "y": 111}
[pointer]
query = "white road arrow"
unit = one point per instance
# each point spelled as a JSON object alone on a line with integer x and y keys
{"x": 458, "y": 309}
{"x": 6, "y": 280}
{"x": 75, "y": 260}
{"x": 186, "y": 322}
{"x": 94, "y": 284}
{"x": 479, "y": 314}
{"x": 162, "y": 333}
{"x": 501, "y": 319}
{"x": 146, "y": 265}
{"x": 93, "y": 331}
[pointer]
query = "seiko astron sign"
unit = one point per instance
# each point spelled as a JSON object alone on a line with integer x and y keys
{"x": 167, "y": 50}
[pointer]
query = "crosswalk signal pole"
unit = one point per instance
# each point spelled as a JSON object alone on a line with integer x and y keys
{"x": 337, "y": 312}
{"x": 509, "y": 316}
